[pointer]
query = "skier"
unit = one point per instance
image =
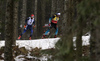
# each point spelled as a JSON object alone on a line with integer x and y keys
{"x": 53, "y": 24}
{"x": 28, "y": 25}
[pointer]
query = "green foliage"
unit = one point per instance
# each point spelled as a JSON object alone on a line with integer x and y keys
{"x": 90, "y": 9}
{"x": 16, "y": 0}
{"x": 64, "y": 51}
{"x": 85, "y": 58}
{"x": 97, "y": 21}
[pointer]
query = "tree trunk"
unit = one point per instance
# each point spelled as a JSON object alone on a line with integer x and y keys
{"x": 35, "y": 13}
{"x": 98, "y": 40}
{"x": 2, "y": 13}
{"x": 9, "y": 32}
{"x": 53, "y": 7}
{"x": 92, "y": 43}
{"x": 64, "y": 15}
{"x": 15, "y": 21}
{"x": 67, "y": 39}
{"x": 39, "y": 16}
{"x": 1, "y": 21}
{"x": 79, "y": 40}
{"x": 30, "y": 7}
{"x": 61, "y": 6}
{"x": 42, "y": 16}
{"x": 69, "y": 25}
{"x": 19, "y": 17}
{"x": 23, "y": 17}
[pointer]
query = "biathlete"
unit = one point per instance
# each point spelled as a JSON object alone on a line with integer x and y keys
{"x": 29, "y": 24}
{"x": 53, "y": 24}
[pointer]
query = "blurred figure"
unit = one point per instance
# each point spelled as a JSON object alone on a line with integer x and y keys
{"x": 28, "y": 25}
{"x": 53, "y": 24}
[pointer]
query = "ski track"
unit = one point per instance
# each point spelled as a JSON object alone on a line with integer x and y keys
{"x": 44, "y": 43}
{"x": 30, "y": 44}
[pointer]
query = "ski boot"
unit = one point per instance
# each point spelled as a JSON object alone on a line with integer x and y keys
{"x": 43, "y": 36}
{"x": 29, "y": 38}
{"x": 19, "y": 37}
{"x": 55, "y": 36}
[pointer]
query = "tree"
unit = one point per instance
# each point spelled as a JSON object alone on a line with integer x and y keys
{"x": 96, "y": 23}
{"x": 15, "y": 21}
{"x": 97, "y": 40}
{"x": 23, "y": 15}
{"x": 92, "y": 42}
{"x": 79, "y": 35}
{"x": 35, "y": 13}
{"x": 64, "y": 15}
{"x": 79, "y": 40}
{"x": 8, "y": 33}
{"x": 65, "y": 45}
{"x": 40, "y": 17}
{"x": 53, "y": 6}
{"x": 2, "y": 18}
{"x": 89, "y": 9}
{"x": 43, "y": 5}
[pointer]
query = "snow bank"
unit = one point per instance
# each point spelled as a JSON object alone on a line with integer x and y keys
{"x": 40, "y": 43}
{"x": 44, "y": 43}
{"x": 85, "y": 40}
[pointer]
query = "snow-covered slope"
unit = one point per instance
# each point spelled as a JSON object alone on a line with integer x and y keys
{"x": 40, "y": 43}
{"x": 44, "y": 43}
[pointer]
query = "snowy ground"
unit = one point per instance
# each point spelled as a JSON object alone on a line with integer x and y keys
{"x": 41, "y": 43}
{"x": 85, "y": 40}
{"x": 30, "y": 44}
{"x": 44, "y": 43}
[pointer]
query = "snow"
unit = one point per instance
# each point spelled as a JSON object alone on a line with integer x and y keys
{"x": 44, "y": 43}
{"x": 2, "y": 55}
{"x": 1, "y": 60}
{"x": 2, "y": 43}
{"x": 85, "y": 40}
{"x": 40, "y": 43}
{"x": 19, "y": 58}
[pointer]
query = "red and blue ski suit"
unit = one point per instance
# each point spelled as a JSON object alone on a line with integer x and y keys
{"x": 29, "y": 22}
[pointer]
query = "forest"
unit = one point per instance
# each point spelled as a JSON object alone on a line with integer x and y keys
{"x": 78, "y": 18}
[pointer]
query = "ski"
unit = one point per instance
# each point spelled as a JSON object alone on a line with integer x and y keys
{"x": 46, "y": 25}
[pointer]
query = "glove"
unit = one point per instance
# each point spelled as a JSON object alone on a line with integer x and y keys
{"x": 34, "y": 26}
{"x": 49, "y": 24}
{"x": 25, "y": 26}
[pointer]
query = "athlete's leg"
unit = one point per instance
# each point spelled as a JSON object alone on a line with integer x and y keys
{"x": 47, "y": 31}
{"x": 31, "y": 32}
{"x": 56, "y": 31}
{"x": 23, "y": 32}
{"x": 27, "y": 27}
{"x": 56, "y": 27}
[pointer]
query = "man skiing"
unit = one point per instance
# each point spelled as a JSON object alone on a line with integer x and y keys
{"x": 53, "y": 24}
{"x": 28, "y": 25}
